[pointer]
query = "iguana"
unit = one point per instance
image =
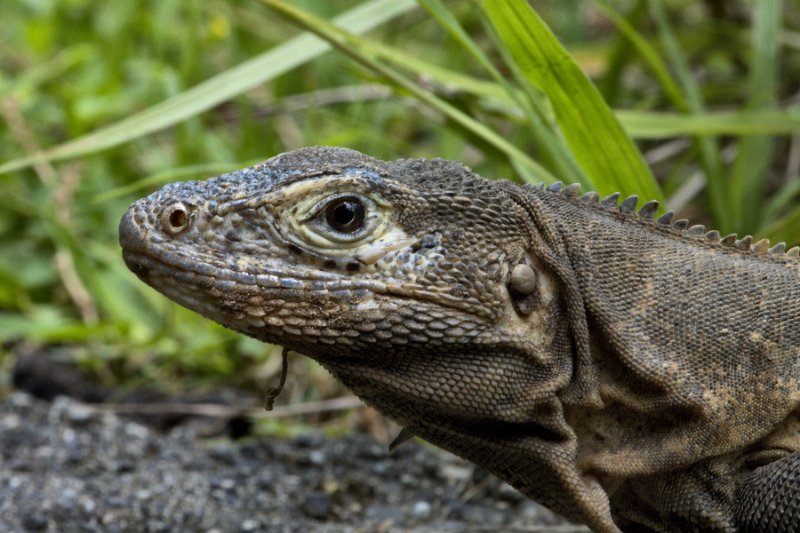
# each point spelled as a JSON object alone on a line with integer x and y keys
{"x": 628, "y": 372}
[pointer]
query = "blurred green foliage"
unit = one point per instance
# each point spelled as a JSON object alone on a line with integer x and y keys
{"x": 708, "y": 90}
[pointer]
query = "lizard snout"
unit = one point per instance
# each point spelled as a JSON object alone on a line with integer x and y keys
{"x": 132, "y": 241}
{"x": 130, "y": 235}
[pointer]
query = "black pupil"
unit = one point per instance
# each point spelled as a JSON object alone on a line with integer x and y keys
{"x": 345, "y": 215}
{"x": 177, "y": 218}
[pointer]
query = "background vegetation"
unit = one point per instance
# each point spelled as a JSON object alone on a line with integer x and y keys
{"x": 102, "y": 102}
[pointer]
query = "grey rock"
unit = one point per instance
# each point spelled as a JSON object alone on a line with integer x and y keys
{"x": 65, "y": 469}
{"x": 317, "y": 505}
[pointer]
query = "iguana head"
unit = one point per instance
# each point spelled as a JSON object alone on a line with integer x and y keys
{"x": 412, "y": 281}
{"x": 338, "y": 255}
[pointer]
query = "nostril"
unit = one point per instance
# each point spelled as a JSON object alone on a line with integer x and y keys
{"x": 175, "y": 218}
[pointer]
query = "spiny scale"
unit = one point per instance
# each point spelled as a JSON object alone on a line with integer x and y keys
{"x": 666, "y": 218}
{"x": 778, "y": 248}
{"x": 681, "y": 224}
{"x": 744, "y": 243}
{"x": 649, "y": 209}
{"x": 761, "y": 247}
{"x": 572, "y": 191}
{"x": 628, "y": 205}
{"x": 590, "y": 197}
{"x": 610, "y": 200}
{"x": 696, "y": 230}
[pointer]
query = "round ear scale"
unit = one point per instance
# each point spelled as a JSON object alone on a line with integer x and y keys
{"x": 523, "y": 279}
{"x": 522, "y": 285}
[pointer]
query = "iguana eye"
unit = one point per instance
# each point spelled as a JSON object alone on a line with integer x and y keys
{"x": 335, "y": 215}
{"x": 345, "y": 214}
{"x": 341, "y": 218}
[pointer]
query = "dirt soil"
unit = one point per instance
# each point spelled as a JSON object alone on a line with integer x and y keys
{"x": 67, "y": 467}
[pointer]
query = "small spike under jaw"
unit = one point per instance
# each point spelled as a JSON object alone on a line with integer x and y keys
{"x": 649, "y": 209}
{"x": 628, "y": 205}
{"x": 728, "y": 240}
{"x": 666, "y": 218}
{"x": 744, "y": 243}
{"x": 555, "y": 187}
{"x": 610, "y": 200}
{"x": 401, "y": 437}
{"x": 712, "y": 235}
{"x": 794, "y": 251}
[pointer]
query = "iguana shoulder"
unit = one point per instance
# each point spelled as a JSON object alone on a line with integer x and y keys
{"x": 690, "y": 377}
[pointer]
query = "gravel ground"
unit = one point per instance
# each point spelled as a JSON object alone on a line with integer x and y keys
{"x": 65, "y": 467}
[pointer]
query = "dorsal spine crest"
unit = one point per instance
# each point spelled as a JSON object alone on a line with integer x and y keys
{"x": 648, "y": 211}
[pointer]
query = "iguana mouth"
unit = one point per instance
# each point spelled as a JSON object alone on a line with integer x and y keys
{"x": 144, "y": 265}
{"x": 171, "y": 267}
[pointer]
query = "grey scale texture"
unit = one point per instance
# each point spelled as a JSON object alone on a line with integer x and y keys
{"x": 640, "y": 375}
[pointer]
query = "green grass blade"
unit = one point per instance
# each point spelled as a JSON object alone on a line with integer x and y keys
{"x": 638, "y": 124}
{"x": 541, "y": 122}
{"x": 662, "y": 125}
{"x": 708, "y": 147}
{"x": 790, "y": 39}
{"x": 169, "y": 175}
{"x": 785, "y": 228}
{"x": 213, "y": 91}
{"x": 649, "y": 54}
{"x": 600, "y": 145}
{"x": 543, "y": 134}
{"x": 781, "y": 203}
{"x": 755, "y": 153}
{"x": 619, "y": 56}
{"x": 366, "y": 53}
{"x": 446, "y": 19}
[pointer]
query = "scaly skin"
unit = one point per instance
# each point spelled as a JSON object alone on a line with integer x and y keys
{"x": 627, "y": 373}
